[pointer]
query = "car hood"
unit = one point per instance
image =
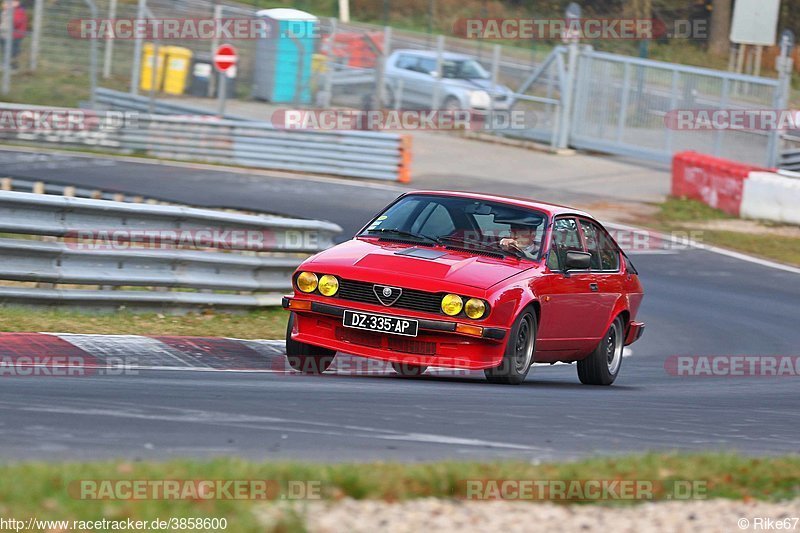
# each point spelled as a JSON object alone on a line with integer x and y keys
{"x": 372, "y": 261}
{"x": 477, "y": 83}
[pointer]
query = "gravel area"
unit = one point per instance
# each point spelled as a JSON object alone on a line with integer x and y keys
{"x": 370, "y": 516}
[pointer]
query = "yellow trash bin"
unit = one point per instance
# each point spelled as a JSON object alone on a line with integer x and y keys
{"x": 178, "y": 60}
{"x": 146, "y": 75}
{"x": 171, "y": 68}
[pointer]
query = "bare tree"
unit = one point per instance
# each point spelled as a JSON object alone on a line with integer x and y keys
{"x": 719, "y": 41}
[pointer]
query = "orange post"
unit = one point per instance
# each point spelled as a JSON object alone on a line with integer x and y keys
{"x": 404, "y": 170}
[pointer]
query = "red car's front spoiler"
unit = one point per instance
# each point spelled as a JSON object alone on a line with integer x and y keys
{"x": 438, "y": 342}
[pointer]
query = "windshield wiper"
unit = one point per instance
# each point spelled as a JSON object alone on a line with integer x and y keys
{"x": 403, "y": 233}
{"x": 491, "y": 245}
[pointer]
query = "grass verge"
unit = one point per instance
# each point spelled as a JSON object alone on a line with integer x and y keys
{"x": 761, "y": 239}
{"x": 52, "y": 490}
{"x": 262, "y": 324}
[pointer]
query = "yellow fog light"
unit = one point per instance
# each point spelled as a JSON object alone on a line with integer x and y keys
{"x": 475, "y": 308}
{"x": 307, "y": 282}
{"x": 452, "y": 304}
{"x": 328, "y": 285}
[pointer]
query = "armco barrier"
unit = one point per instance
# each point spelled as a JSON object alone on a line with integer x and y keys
{"x": 355, "y": 154}
{"x": 716, "y": 182}
{"x": 245, "y": 261}
{"x": 770, "y": 196}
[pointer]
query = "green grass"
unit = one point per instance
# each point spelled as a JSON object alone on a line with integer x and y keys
{"x": 678, "y": 214}
{"x": 262, "y": 324}
{"x": 45, "y": 488}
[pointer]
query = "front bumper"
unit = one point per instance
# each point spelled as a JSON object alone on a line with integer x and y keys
{"x": 438, "y": 342}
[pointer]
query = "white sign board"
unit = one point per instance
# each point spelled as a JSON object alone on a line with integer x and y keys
{"x": 755, "y": 22}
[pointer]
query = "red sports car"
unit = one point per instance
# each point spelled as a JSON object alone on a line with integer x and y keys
{"x": 469, "y": 281}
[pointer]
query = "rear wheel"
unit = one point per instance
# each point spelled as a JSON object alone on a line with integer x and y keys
{"x": 602, "y": 366}
{"x": 306, "y": 358}
{"x": 408, "y": 370}
{"x": 518, "y": 356}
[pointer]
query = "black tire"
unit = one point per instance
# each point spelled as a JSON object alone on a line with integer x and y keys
{"x": 603, "y": 364}
{"x": 306, "y": 358}
{"x": 451, "y": 103}
{"x": 520, "y": 348}
{"x": 408, "y": 370}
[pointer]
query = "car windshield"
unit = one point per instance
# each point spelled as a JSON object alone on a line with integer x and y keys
{"x": 467, "y": 69}
{"x": 465, "y": 223}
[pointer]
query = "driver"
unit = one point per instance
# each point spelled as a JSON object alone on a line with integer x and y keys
{"x": 522, "y": 239}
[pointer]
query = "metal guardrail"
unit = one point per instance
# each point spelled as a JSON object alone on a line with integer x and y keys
{"x": 119, "y": 246}
{"x": 257, "y": 144}
{"x": 124, "y": 101}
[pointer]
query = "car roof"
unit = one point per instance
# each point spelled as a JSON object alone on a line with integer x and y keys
{"x": 433, "y": 54}
{"x": 550, "y": 209}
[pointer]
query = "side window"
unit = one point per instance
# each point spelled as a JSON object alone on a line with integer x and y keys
{"x": 565, "y": 238}
{"x": 434, "y": 220}
{"x": 426, "y": 65}
{"x": 406, "y": 62}
{"x": 592, "y": 236}
{"x": 609, "y": 251}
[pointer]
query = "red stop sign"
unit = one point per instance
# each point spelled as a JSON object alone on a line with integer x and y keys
{"x": 225, "y": 57}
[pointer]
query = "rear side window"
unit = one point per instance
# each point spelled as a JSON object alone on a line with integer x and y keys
{"x": 407, "y": 62}
{"x": 590, "y": 233}
{"x": 565, "y": 238}
{"x": 605, "y": 253}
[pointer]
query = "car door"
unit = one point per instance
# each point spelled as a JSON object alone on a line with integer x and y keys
{"x": 568, "y": 300}
{"x": 404, "y": 79}
{"x": 606, "y": 260}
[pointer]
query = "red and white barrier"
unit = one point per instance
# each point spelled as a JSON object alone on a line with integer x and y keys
{"x": 771, "y": 196}
{"x": 716, "y": 182}
{"x": 736, "y": 188}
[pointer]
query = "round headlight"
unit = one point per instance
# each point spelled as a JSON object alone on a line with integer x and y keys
{"x": 475, "y": 308}
{"x": 328, "y": 285}
{"x": 307, "y": 282}
{"x": 452, "y": 304}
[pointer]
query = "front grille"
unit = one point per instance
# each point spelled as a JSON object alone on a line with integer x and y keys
{"x": 376, "y": 340}
{"x": 412, "y": 346}
{"x": 359, "y": 291}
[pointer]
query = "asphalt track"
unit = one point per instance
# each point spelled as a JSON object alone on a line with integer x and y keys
{"x": 697, "y": 303}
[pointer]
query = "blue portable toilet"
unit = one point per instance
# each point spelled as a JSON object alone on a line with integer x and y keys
{"x": 284, "y": 55}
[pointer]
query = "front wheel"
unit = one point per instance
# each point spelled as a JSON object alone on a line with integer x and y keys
{"x": 306, "y": 358}
{"x": 603, "y": 364}
{"x": 518, "y": 357}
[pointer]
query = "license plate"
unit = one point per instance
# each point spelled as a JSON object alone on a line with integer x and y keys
{"x": 381, "y": 323}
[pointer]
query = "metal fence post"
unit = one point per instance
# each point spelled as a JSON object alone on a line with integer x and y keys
{"x": 92, "y": 56}
{"x": 36, "y": 35}
{"x": 327, "y": 98}
{"x": 496, "y": 51}
{"x": 784, "y": 64}
{"x": 212, "y": 81}
{"x": 137, "y": 50}
{"x": 8, "y": 18}
{"x": 567, "y": 96}
{"x": 380, "y": 69}
{"x": 437, "y": 88}
{"x": 109, "y": 48}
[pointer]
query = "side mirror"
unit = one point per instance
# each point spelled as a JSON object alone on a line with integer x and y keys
{"x": 434, "y": 73}
{"x": 578, "y": 261}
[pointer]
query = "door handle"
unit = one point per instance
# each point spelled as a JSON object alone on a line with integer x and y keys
{"x": 594, "y": 287}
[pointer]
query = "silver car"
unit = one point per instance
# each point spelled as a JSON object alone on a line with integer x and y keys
{"x": 412, "y": 81}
